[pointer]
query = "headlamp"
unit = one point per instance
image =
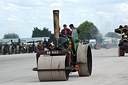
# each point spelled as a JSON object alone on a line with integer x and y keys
{"x": 125, "y": 36}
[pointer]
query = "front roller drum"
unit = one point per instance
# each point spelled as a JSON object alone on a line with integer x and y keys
{"x": 3, "y": 50}
{"x": 52, "y": 62}
{"x": 17, "y": 49}
{"x": 84, "y": 55}
{"x": 11, "y": 50}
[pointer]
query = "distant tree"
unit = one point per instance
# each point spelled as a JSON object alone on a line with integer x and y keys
{"x": 41, "y": 33}
{"x": 45, "y": 32}
{"x": 112, "y": 34}
{"x": 10, "y": 35}
{"x": 36, "y": 32}
{"x": 89, "y": 31}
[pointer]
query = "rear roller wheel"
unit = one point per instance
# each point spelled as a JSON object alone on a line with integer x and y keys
{"x": 107, "y": 46}
{"x": 84, "y": 55}
{"x": 52, "y": 62}
{"x": 97, "y": 46}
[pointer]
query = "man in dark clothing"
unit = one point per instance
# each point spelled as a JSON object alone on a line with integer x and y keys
{"x": 45, "y": 44}
{"x": 6, "y": 45}
{"x": 66, "y": 31}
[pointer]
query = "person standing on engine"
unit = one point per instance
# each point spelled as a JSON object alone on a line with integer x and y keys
{"x": 72, "y": 27}
{"x": 66, "y": 31}
{"x": 13, "y": 44}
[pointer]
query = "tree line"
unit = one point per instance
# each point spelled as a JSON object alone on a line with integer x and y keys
{"x": 41, "y": 32}
{"x": 87, "y": 31}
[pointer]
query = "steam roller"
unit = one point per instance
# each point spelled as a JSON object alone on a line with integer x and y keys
{"x": 63, "y": 55}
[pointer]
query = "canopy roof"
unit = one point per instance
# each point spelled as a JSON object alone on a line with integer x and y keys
{"x": 122, "y": 30}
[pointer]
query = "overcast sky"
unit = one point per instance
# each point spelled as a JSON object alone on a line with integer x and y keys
{"x": 20, "y": 16}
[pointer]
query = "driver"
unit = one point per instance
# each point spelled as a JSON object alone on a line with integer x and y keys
{"x": 66, "y": 31}
{"x": 72, "y": 27}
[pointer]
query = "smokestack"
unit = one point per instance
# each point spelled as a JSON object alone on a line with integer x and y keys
{"x": 56, "y": 23}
